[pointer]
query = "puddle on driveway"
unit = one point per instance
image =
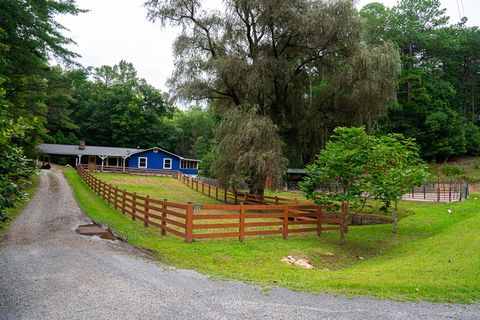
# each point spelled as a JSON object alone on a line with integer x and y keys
{"x": 94, "y": 230}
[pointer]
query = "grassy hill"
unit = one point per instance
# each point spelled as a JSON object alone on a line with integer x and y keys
{"x": 460, "y": 168}
{"x": 434, "y": 257}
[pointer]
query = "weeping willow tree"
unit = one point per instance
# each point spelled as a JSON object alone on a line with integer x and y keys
{"x": 302, "y": 63}
{"x": 249, "y": 151}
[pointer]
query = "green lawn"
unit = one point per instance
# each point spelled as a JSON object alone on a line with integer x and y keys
{"x": 435, "y": 256}
{"x": 12, "y": 213}
{"x": 157, "y": 187}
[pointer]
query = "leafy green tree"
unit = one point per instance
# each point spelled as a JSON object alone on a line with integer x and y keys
{"x": 395, "y": 168}
{"x": 345, "y": 161}
{"x": 119, "y": 109}
{"x": 30, "y": 35}
{"x": 194, "y": 123}
{"x": 472, "y": 134}
{"x": 249, "y": 150}
{"x": 15, "y": 168}
{"x": 437, "y": 88}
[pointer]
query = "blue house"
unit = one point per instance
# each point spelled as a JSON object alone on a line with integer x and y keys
{"x": 156, "y": 158}
{"x": 93, "y": 156}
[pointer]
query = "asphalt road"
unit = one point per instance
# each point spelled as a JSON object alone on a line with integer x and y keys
{"x": 47, "y": 271}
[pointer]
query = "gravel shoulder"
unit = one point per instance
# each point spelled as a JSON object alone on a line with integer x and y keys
{"x": 47, "y": 271}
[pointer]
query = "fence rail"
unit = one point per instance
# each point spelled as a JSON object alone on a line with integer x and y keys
{"x": 439, "y": 192}
{"x": 139, "y": 171}
{"x": 192, "y": 222}
{"x": 234, "y": 196}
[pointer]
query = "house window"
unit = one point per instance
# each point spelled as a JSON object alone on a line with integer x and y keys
{"x": 186, "y": 164}
{"x": 167, "y": 163}
{"x": 142, "y": 162}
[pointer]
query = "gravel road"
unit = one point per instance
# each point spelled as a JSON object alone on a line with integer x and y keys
{"x": 47, "y": 271}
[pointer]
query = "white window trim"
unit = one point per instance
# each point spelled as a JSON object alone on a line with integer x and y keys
{"x": 146, "y": 162}
{"x": 171, "y": 163}
{"x": 189, "y": 164}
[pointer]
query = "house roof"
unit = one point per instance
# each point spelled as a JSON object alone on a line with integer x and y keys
{"x": 74, "y": 150}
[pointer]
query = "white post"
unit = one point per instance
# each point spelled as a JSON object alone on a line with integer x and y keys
{"x": 79, "y": 160}
{"x": 103, "y": 159}
{"x": 124, "y": 158}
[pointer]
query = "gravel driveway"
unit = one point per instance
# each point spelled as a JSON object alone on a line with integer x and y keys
{"x": 47, "y": 271}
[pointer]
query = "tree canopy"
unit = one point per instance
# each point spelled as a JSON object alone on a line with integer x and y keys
{"x": 439, "y": 83}
{"x": 303, "y": 64}
{"x": 249, "y": 150}
{"x": 360, "y": 166}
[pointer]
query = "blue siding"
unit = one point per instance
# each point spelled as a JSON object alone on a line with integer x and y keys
{"x": 155, "y": 161}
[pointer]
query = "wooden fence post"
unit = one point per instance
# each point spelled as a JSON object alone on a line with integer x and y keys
{"x": 116, "y": 197}
{"x": 189, "y": 223}
{"x": 241, "y": 229}
{"x": 236, "y": 197}
{"x": 216, "y": 193}
{"x": 124, "y": 195}
{"x": 134, "y": 205}
{"x": 225, "y": 195}
{"x": 164, "y": 217}
{"x": 285, "y": 223}
{"x": 196, "y": 186}
{"x": 145, "y": 212}
{"x": 209, "y": 190}
{"x": 203, "y": 187}
{"x": 276, "y": 200}
{"x": 109, "y": 189}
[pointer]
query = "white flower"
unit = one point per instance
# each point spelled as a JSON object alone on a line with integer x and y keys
{"x": 449, "y": 211}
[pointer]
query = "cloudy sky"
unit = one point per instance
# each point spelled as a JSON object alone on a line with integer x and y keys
{"x": 118, "y": 29}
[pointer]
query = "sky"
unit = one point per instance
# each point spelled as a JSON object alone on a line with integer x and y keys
{"x": 113, "y": 30}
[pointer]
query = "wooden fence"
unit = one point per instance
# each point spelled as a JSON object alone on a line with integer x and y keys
{"x": 191, "y": 222}
{"x": 138, "y": 171}
{"x": 234, "y": 196}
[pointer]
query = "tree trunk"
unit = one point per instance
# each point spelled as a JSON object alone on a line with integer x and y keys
{"x": 395, "y": 220}
{"x": 342, "y": 222}
{"x": 257, "y": 186}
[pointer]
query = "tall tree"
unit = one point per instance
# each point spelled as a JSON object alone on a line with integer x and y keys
{"x": 439, "y": 79}
{"x": 30, "y": 35}
{"x": 300, "y": 63}
{"x": 119, "y": 109}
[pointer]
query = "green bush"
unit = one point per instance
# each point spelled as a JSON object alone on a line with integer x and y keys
{"x": 451, "y": 171}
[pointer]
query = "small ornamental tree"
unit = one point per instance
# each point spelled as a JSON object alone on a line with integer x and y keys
{"x": 345, "y": 162}
{"x": 395, "y": 169}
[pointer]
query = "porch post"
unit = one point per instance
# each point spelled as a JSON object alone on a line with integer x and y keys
{"x": 123, "y": 165}
{"x": 78, "y": 160}
{"x": 103, "y": 158}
